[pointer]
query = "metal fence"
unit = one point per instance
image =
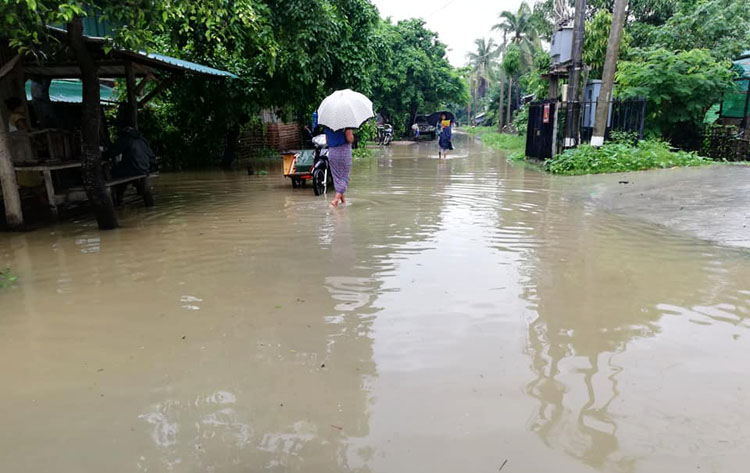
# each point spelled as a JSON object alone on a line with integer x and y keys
{"x": 626, "y": 116}
{"x": 550, "y": 123}
{"x": 726, "y": 143}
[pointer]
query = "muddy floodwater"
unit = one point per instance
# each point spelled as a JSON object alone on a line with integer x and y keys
{"x": 456, "y": 316}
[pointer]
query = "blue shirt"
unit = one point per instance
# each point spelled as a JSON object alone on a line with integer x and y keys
{"x": 336, "y": 138}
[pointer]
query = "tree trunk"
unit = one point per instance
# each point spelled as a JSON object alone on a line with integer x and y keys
{"x": 509, "y": 119}
{"x": 571, "y": 121}
{"x": 132, "y": 108}
{"x": 11, "y": 198}
{"x": 608, "y": 74}
{"x": 91, "y": 158}
{"x": 500, "y": 107}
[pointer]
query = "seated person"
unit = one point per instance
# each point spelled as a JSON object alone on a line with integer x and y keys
{"x": 17, "y": 119}
{"x": 137, "y": 159}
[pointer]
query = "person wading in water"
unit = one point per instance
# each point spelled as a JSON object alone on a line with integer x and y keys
{"x": 340, "y": 160}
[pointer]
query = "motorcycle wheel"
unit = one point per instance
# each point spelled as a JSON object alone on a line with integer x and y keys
{"x": 318, "y": 182}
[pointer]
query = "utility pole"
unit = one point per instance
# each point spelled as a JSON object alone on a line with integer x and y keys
{"x": 571, "y": 119}
{"x": 608, "y": 74}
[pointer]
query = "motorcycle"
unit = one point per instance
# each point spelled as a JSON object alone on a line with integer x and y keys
{"x": 384, "y": 135}
{"x": 321, "y": 170}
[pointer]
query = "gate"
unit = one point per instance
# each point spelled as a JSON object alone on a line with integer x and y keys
{"x": 540, "y": 134}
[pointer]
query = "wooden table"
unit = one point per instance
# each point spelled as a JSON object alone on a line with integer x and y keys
{"x": 46, "y": 170}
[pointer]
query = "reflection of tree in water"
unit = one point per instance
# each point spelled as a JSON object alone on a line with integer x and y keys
{"x": 596, "y": 283}
{"x": 593, "y": 288}
{"x": 320, "y": 391}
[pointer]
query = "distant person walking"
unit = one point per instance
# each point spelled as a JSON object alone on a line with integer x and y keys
{"x": 340, "y": 160}
{"x": 445, "y": 143}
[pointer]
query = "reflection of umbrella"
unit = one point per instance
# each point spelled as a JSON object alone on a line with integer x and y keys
{"x": 435, "y": 117}
{"x": 344, "y": 109}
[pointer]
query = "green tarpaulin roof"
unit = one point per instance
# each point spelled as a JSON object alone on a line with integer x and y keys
{"x": 733, "y": 105}
{"x": 71, "y": 91}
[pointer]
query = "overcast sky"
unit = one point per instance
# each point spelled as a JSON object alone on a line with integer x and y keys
{"x": 458, "y": 22}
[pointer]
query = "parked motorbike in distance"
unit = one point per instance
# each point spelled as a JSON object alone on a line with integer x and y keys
{"x": 384, "y": 135}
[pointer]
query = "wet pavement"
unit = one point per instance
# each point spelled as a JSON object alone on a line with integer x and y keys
{"x": 711, "y": 203}
{"x": 457, "y": 316}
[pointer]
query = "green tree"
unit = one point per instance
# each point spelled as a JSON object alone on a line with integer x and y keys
{"x": 413, "y": 74}
{"x": 595, "y": 40}
{"x": 679, "y": 87}
{"x": 719, "y": 26}
{"x": 135, "y": 26}
{"x": 481, "y": 62}
{"x": 519, "y": 29}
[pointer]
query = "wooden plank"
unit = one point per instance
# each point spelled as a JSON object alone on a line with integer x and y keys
{"x": 50, "y": 192}
{"x": 49, "y": 167}
{"x": 159, "y": 89}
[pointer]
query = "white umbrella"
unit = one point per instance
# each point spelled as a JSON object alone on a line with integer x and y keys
{"x": 344, "y": 109}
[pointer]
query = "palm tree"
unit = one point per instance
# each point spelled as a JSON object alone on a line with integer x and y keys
{"x": 520, "y": 27}
{"x": 519, "y": 30}
{"x": 482, "y": 62}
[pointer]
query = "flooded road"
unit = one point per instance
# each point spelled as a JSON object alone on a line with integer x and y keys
{"x": 459, "y": 316}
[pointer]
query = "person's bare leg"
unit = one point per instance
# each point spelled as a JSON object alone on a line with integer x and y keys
{"x": 336, "y": 200}
{"x": 343, "y": 199}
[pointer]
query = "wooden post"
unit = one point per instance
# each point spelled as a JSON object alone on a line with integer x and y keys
{"x": 608, "y": 75}
{"x": 91, "y": 158}
{"x": 11, "y": 197}
{"x": 500, "y": 107}
{"x": 554, "y": 80}
{"x": 132, "y": 97}
{"x": 571, "y": 122}
{"x": 509, "y": 119}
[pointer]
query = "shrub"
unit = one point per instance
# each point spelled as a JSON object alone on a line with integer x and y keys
{"x": 621, "y": 157}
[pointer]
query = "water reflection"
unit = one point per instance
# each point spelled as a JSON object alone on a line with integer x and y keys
{"x": 596, "y": 290}
{"x": 244, "y": 325}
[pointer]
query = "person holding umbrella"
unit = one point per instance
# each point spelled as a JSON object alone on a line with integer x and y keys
{"x": 340, "y": 113}
{"x": 340, "y": 160}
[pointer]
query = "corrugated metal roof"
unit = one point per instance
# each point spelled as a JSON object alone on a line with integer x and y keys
{"x": 71, "y": 91}
{"x": 187, "y": 65}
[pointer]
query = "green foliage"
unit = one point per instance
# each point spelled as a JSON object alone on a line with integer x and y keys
{"x": 521, "y": 121}
{"x": 413, "y": 74}
{"x": 595, "y": 42}
{"x": 7, "y": 278}
{"x": 532, "y": 82}
{"x": 512, "y": 60}
{"x": 621, "y": 157}
{"x": 520, "y": 28}
{"x": 362, "y": 152}
{"x": 720, "y": 26}
{"x": 679, "y": 87}
{"x": 493, "y": 139}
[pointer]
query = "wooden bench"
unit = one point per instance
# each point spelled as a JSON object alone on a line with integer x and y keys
{"x": 116, "y": 187}
{"x": 142, "y": 183}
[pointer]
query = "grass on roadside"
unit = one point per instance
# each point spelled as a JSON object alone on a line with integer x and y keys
{"x": 7, "y": 278}
{"x": 493, "y": 139}
{"x": 621, "y": 157}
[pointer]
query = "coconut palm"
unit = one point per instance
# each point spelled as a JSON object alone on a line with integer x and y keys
{"x": 482, "y": 63}
{"x": 518, "y": 28}
{"x": 483, "y": 59}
